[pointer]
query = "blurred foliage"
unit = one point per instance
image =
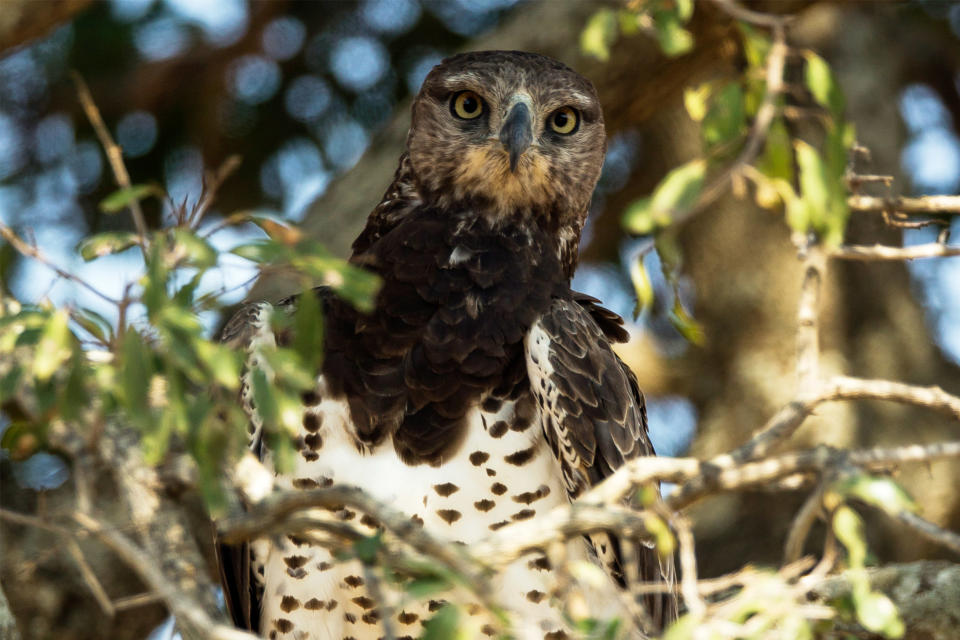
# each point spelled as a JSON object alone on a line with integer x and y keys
{"x": 163, "y": 374}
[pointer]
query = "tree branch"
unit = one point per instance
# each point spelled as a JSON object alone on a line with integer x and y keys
{"x": 930, "y": 205}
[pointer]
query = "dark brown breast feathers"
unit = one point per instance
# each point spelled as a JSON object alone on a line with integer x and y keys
{"x": 456, "y": 302}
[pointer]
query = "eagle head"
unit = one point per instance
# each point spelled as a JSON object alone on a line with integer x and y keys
{"x": 508, "y": 135}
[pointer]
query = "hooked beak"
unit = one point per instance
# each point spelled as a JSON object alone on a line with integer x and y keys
{"x": 516, "y": 134}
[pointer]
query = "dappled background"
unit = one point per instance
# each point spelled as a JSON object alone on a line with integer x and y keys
{"x": 313, "y": 96}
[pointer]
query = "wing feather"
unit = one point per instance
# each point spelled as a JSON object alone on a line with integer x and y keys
{"x": 594, "y": 416}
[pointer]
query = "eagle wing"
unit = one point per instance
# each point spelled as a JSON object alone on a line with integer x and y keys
{"x": 594, "y": 417}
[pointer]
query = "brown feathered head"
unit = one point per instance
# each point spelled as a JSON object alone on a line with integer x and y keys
{"x": 508, "y": 134}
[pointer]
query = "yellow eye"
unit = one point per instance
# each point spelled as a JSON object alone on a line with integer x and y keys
{"x": 564, "y": 120}
{"x": 466, "y": 105}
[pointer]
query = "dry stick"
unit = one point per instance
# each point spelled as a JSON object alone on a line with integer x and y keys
{"x": 738, "y": 12}
{"x": 808, "y": 339}
{"x": 183, "y": 609}
{"x": 930, "y": 531}
{"x": 802, "y": 523}
{"x": 930, "y": 205}
{"x": 30, "y": 251}
{"x": 880, "y": 252}
{"x": 210, "y": 190}
{"x": 96, "y": 588}
{"x": 114, "y": 156}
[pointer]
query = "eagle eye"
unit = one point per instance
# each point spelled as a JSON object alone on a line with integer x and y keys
{"x": 466, "y": 105}
{"x": 564, "y": 120}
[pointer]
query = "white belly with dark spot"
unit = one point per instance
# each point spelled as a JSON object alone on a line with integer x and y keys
{"x": 496, "y": 477}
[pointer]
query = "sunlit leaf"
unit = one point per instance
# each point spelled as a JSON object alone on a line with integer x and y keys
{"x": 196, "y": 250}
{"x": 676, "y": 194}
{"x": 262, "y": 251}
{"x": 222, "y": 362}
{"x": 122, "y": 198}
{"x": 848, "y": 526}
{"x": 599, "y": 34}
{"x": 20, "y": 440}
{"x": 696, "y": 100}
{"x": 54, "y": 347}
{"x": 642, "y": 286}
{"x": 777, "y": 158}
{"x": 684, "y": 323}
{"x": 684, "y": 9}
{"x": 822, "y": 85}
{"x": 877, "y": 613}
{"x": 756, "y": 45}
{"x": 673, "y": 38}
{"x": 106, "y": 243}
{"x": 726, "y": 120}
{"x": 814, "y": 187}
{"x": 881, "y": 492}
{"x": 656, "y": 527}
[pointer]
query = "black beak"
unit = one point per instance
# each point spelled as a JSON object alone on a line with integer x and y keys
{"x": 516, "y": 134}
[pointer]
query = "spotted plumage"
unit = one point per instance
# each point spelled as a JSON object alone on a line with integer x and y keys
{"x": 481, "y": 391}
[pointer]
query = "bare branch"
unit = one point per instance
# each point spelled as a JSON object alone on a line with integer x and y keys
{"x": 114, "y": 156}
{"x": 186, "y": 611}
{"x": 930, "y": 205}
{"x": 31, "y": 251}
{"x": 879, "y": 252}
{"x": 808, "y": 340}
{"x": 930, "y": 531}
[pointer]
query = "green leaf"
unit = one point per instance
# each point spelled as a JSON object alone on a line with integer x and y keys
{"x": 262, "y": 251}
{"x": 727, "y": 118}
{"x": 877, "y": 613}
{"x": 223, "y": 363}
{"x": 443, "y": 625}
{"x": 777, "y": 158}
{"x": 95, "y": 324}
{"x": 677, "y": 193}
{"x": 367, "y": 548}
{"x": 122, "y": 198}
{"x": 814, "y": 187}
{"x": 420, "y": 588}
{"x": 673, "y": 38}
{"x": 10, "y": 381}
{"x": 656, "y": 527}
{"x": 683, "y": 322}
{"x": 136, "y": 363}
{"x": 848, "y": 526}
{"x": 308, "y": 331}
{"x": 599, "y": 34}
{"x": 684, "y": 9}
{"x": 55, "y": 346}
{"x": 695, "y": 100}
{"x": 106, "y": 243}
{"x": 642, "y": 286}
{"x": 881, "y": 492}
{"x": 819, "y": 79}
{"x": 264, "y": 398}
{"x": 756, "y": 46}
{"x": 196, "y": 250}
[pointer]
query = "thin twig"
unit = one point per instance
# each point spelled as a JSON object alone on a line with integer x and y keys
{"x": 802, "y": 523}
{"x": 184, "y": 610}
{"x": 114, "y": 156}
{"x": 939, "y": 205}
{"x": 30, "y": 251}
{"x": 743, "y": 14}
{"x": 879, "y": 252}
{"x": 211, "y": 186}
{"x": 808, "y": 312}
{"x": 93, "y": 583}
{"x": 930, "y": 531}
